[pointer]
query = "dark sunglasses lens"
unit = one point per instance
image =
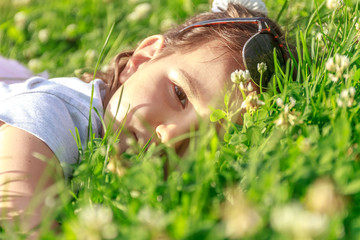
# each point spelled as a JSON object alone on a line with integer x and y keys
{"x": 260, "y": 49}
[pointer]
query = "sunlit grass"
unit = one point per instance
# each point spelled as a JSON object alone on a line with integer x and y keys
{"x": 291, "y": 171}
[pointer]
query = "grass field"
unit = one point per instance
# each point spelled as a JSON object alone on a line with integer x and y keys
{"x": 291, "y": 171}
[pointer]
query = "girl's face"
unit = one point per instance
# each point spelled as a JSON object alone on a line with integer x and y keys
{"x": 165, "y": 96}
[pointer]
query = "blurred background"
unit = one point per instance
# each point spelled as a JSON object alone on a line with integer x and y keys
{"x": 291, "y": 171}
{"x": 65, "y": 37}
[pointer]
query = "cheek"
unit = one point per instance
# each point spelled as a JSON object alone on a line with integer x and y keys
{"x": 144, "y": 92}
{"x": 147, "y": 101}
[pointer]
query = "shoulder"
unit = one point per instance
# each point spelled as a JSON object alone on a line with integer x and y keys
{"x": 19, "y": 144}
{"x": 53, "y": 111}
{"x": 47, "y": 118}
{"x": 65, "y": 87}
{"x": 27, "y": 165}
{"x": 24, "y": 154}
{"x": 41, "y": 98}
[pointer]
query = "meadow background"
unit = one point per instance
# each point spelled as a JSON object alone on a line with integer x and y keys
{"x": 291, "y": 171}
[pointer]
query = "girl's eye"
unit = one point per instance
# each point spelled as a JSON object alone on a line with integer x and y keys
{"x": 181, "y": 95}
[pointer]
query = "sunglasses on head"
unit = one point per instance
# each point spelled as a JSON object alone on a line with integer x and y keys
{"x": 259, "y": 48}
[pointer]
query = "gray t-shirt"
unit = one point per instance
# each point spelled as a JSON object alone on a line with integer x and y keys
{"x": 51, "y": 110}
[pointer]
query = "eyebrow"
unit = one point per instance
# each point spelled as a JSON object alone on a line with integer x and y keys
{"x": 192, "y": 84}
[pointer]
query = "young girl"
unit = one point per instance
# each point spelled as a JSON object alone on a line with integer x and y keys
{"x": 165, "y": 85}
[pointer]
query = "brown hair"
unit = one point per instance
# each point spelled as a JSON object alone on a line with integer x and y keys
{"x": 231, "y": 38}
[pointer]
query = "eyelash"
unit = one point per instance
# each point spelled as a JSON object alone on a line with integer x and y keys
{"x": 179, "y": 92}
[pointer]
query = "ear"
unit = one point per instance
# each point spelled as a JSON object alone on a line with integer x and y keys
{"x": 148, "y": 49}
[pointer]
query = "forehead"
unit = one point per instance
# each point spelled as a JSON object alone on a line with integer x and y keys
{"x": 212, "y": 53}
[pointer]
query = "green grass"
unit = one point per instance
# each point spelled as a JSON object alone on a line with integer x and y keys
{"x": 289, "y": 172}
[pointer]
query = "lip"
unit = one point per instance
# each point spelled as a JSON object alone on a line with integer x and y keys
{"x": 135, "y": 136}
{"x": 138, "y": 135}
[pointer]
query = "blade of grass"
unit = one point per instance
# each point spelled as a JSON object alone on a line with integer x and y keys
{"x": 90, "y": 135}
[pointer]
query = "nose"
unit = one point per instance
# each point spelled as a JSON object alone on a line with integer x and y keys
{"x": 166, "y": 132}
{"x": 172, "y": 129}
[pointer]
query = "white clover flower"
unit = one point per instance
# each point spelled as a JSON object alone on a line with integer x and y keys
{"x": 50, "y": 201}
{"x": 279, "y": 102}
{"x": 325, "y": 29}
{"x": 320, "y": 40}
{"x": 280, "y": 121}
{"x": 130, "y": 142}
{"x": 70, "y": 31}
{"x": 322, "y": 197}
{"x": 338, "y": 64}
{"x": 286, "y": 117}
{"x": 20, "y": 2}
{"x": 134, "y": 194}
{"x": 95, "y": 223}
{"x": 305, "y": 145}
{"x": 96, "y": 216}
{"x": 333, "y": 77}
{"x": 286, "y": 108}
{"x": 140, "y": 12}
{"x": 248, "y": 88}
{"x": 90, "y": 57}
{"x": 352, "y": 91}
{"x": 346, "y": 97}
{"x": 35, "y": 65}
{"x": 133, "y": 146}
{"x": 261, "y": 67}
{"x": 330, "y": 65}
{"x": 292, "y": 102}
{"x": 344, "y": 94}
{"x": 116, "y": 167}
{"x": 339, "y": 102}
{"x": 239, "y": 217}
{"x": 357, "y": 27}
{"x": 254, "y": 5}
{"x": 240, "y": 76}
{"x": 342, "y": 62}
{"x": 43, "y": 35}
{"x": 251, "y": 102}
{"x": 241, "y": 86}
{"x": 154, "y": 219}
{"x": 334, "y": 4}
{"x": 293, "y": 220}
{"x": 20, "y": 19}
{"x": 319, "y": 36}
{"x": 166, "y": 24}
{"x": 105, "y": 68}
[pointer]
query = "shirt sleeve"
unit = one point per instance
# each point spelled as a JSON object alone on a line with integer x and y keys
{"x": 47, "y": 117}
